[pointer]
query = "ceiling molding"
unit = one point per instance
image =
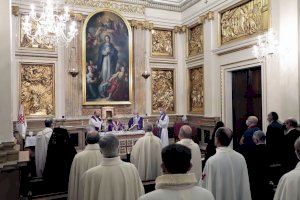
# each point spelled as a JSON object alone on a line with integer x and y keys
{"x": 171, "y": 5}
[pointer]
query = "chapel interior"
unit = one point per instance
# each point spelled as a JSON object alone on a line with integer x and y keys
{"x": 202, "y": 61}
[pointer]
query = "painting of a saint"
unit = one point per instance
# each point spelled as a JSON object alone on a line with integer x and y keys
{"x": 107, "y": 61}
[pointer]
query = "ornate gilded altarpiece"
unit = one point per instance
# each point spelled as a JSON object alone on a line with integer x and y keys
{"x": 195, "y": 40}
{"x": 37, "y": 82}
{"x": 196, "y": 90}
{"x": 162, "y": 43}
{"x": 163, "y": 90}
{"x": 26, "y": 42}
{"x": 243, "y": 20}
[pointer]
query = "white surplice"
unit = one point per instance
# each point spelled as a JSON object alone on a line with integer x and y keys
{"x": 88, "y": 158}
{"x": 178, "y": 187}
{"x": 289, "y": 185}
{"x": 196, "y": 157}
{"x": 112, "y": 179}
{"x": 95, "y": 123}
{"x": 41, "y": 147}
{"x": 146, "y": 156}
{"x": 163, "y": 124}
{"x": 226, "y": 175}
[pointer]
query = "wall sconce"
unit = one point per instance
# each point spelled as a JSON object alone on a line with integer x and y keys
{"x": 73, "y": 72}
{"x": 146, "y": 74}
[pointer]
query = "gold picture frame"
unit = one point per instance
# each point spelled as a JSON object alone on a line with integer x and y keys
{"x": 163, "y": 90}
{"x": 162, "y": 43}
{"x": 129, "y": 65}
{"x": 195, "y": 40}
{"x": 37, "y": 89}
{"x": 251, "y": 16}
{"x": 196, "y": 90}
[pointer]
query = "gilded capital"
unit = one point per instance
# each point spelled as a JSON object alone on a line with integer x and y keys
{"x": 15, "y": 10}
{"x": 77, "y": 17}
{"x": 180, "y": 29}
{"x": 208, "y": 16}
{"x": 144, "y": 25}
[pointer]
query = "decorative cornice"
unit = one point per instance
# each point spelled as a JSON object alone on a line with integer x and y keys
{"x": 121, "y": 6}
{"x": 15, "y": 10}
{"x": 180, "y": 29}
{"x": 129, "y": 3}
{"x": 144, "y": 25}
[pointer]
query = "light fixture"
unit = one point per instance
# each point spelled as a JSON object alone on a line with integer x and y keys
{"x": 52, "y": 26}
{"x": 73, "y": 71}
{"x": 267, "y": 44}
{"x": 145, "y": 74}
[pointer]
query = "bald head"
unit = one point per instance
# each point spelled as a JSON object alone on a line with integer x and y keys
{"x": 291, "y": 123}
{"x": 97, "y": 113}
{"x": 148, "y": 127}
{"x": 252, "y": 121}
{"x": 223, "y": 137}
{"x": 259, "y": 137}
{"x": 185, "y": 132}
{"x": 92, "y": 137}
{"x": 162, "y": 110}
{"x": 109, "y": 146}
{"x": 297, "y": 147}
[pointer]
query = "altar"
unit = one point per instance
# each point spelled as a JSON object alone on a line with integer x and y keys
{"x": 126, "y": 139}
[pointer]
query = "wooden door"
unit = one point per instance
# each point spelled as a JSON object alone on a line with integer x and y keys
{"x": 246, "y": 99}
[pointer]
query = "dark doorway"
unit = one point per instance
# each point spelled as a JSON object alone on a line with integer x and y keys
{"x": 246, "y": 99}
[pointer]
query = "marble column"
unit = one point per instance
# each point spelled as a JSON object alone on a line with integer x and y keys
{"x": 6, "y": 131}
{"x": 73, "y": 59}
{"x": 212, "y": 93}
{"x": 139, "y": 65}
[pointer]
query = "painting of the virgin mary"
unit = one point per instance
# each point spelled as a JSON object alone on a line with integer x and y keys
{"x": 107, "y": 62}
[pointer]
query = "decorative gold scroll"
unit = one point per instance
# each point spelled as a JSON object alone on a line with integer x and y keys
{"x": 163, "y": 90}
{"x": 15, "y": 10}
{"x": 26, "y": 42}
{"x": 162, "y": 43}
{"x": 37, "y": 89}
{"x": 196, "y": 90}
{"x": 195, "y": 40}
{"x": 123, "y": 7}
{"x": 244, "y": 20}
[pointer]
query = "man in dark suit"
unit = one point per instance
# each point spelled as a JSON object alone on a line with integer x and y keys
{"x": 289, "y": 157}
{"x": 274, "y": 138}
{"x": 258, "y": 169}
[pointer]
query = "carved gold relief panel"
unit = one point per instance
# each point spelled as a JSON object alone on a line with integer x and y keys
{"x": 162, "y": 43}
{"x": 196, "y": 90}
{"x": 163, "y": 90}
{"x": 37, "y": 89}
{"x": 195, "y": 40}
{"x": 244, "y": 20}
{"x": 26, "y": 42}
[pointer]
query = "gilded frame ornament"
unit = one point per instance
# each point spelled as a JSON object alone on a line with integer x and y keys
{"x": 246, "y": 28}
{"x": 130, "y": 61}
{"x": 195, "y": 41}
{"x": 25, "y": 43}
{"x": 165, "y": 42}
{"x": 198, "y": 94}
{"x": 38, "y": 90}
{"x": 164, "y": 91}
